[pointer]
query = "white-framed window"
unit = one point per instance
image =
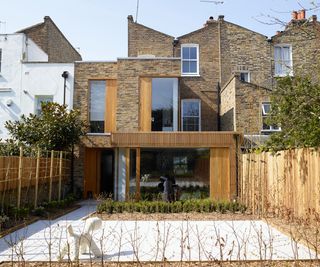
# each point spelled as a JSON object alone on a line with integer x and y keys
{"x": 190, "y": 59}
{"x": 265, "y": 109}
{"x": 39, "y": 99}
{"x": 283, "y": 60}
{"x": 244, "y": 76}
{"x": 0, "y": 59}
{"x": 191, "y": 115}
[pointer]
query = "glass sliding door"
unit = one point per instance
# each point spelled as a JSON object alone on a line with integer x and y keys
{"x": 164, "y": 115}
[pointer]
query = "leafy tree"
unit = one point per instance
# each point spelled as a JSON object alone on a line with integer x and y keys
{"x": 296, "y": 108}
{"x": 55, "y": 128}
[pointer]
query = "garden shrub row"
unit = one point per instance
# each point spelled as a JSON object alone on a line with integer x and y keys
{"x": 193, "y": 205}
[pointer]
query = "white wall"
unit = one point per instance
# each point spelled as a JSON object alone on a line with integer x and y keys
{"x": 21, "y": 81}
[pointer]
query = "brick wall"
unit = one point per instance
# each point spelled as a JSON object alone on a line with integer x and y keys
{"x": 203, "y": 87}
{"x": 129, "y": 71}
{"x": 145, "y": 41}
{"x": 304, "y": 38}
{"x": 51, "y": 40}
{"x": 241, "y": 106}
{"x": 243, "y": 49}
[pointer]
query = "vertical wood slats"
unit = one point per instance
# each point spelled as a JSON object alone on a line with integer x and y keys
{"x": 220, "y": 178}
{"x": 288, "y": 183}
{"x": 111, "y": 106}
{"x": 145, "y": 104}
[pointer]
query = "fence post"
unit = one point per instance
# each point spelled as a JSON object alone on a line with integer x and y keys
{"x": 51, "y": 175}
{"x": 19, "y": 178}
{"x": 37, "y": 179}
{"x": 60, "y": 175}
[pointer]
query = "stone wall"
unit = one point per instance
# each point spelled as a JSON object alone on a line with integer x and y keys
{"x": 52, "y": 41}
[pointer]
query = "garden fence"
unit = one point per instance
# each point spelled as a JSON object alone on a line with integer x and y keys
{"x": 33, "y": 177}
{"x": 285, "y": 184}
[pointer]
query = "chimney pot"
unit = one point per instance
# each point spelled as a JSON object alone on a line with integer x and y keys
{"x": 302, "y": 14}
{"x": 221, "y": 17}
{"x": 314, "y": 18}
{"x": 278, "y": 32}
{"x": 294, "y": 15}
{"x": 210, "y": 18}
{"x": 130, "y": 18}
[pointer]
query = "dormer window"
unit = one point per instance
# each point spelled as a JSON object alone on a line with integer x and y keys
{"x": 190, "y": 59}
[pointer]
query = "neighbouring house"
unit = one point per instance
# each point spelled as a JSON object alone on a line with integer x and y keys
{"x": 180, "y": 106}
{"x": 36, "y": 65}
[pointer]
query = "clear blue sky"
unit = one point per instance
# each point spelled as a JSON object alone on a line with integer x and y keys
{"x": 99, "y": 27}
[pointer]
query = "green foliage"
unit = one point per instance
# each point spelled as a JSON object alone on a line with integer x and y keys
{"x": 191, "y": 205}
{"x": 296, "y": 107}
{"x": 56, "y": 128}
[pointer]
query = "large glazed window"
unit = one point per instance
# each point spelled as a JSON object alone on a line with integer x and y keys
{"x": 97, "y": 106}
{"x": 283, "y": 60}
{"x": 164, "y": 115}
{"x": 188, "y": 169}
{"x": 191, "y": 115}
{"x": 190, "y": 59}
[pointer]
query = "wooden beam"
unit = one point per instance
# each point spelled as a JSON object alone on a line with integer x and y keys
{"x": 111, "y": 106}
{"x": 145, "y": 104}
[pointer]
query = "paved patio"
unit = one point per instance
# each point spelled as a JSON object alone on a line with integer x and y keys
{"x": 152, "y": 240}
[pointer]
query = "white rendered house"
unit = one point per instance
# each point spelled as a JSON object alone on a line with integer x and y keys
{"x": 28, "y": 77}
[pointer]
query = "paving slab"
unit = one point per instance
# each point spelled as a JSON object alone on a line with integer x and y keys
{"x": 156, "y": 240}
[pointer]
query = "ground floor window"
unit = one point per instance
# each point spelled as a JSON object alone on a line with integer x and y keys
{"x": 189, "y": 169}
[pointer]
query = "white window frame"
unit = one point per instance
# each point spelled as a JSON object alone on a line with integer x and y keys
{"x": 182, "y": 105}
{"x": 265, "y": 114}
{"x": 0, "y": 60}
{"x": 38, "y": 101}
{"x": 290, "y": 73}
{"x": 190, "y": 73}
{"x": 246, "y": 72}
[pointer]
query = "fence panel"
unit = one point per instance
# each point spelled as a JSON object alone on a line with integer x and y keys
{"x": 285, "y": 184}
{"x": 34, "y": 177}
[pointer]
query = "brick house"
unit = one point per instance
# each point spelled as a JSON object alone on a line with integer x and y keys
{"x": 178, "y": 106}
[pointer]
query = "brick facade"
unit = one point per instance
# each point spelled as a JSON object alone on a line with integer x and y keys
{"x": 52, "y": 41}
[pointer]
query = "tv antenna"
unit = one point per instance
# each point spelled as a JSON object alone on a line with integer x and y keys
{"x": 137, "y": 11}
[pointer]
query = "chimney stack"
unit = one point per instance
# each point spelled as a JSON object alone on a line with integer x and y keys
{"x": 294, "y": 15}
{"x": 301, "y": 14}
{"x": 314, "y": 18}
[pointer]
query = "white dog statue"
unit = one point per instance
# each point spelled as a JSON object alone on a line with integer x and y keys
{"x": 81, "y": 242}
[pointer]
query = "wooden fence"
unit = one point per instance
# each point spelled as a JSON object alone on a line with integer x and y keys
{"x": 286, "y": 184}
{"x": 42, "y": 174}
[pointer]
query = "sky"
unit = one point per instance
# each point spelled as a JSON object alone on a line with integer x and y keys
{"x": 98, "y": 28}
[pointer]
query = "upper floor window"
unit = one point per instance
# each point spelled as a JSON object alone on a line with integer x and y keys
{"x": 283, "y": 60}
{"x": 190, "y": 59}
{"x": 191, "y": 115}
{"x": 245, "y": 76}
{"x": 0, "y": 58}
{"x": 266, "y": 108}
{"x": 39, "y": 100}
{"x": 164, "y": 115}
{"x": 97, "y": 105}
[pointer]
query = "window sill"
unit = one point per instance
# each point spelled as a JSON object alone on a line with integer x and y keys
{"x": 97, "y": 134}
{"x": 190, "y": 75}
